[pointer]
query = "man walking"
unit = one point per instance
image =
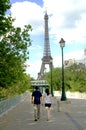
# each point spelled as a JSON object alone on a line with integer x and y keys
{"x": 36, "y": 100}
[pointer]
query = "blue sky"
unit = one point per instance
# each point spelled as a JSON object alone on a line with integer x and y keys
{"x": 67, "y": 19}
{"x": 38, "y": 2}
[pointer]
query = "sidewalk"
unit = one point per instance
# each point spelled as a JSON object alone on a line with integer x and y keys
{"x": 21, "y": 117}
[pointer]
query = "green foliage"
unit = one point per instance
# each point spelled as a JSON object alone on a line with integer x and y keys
{"x": 56, "y": 78}
{"x": 5, "y": 22}
{"x": 17, "y": 88}
{"x": 14, "y": 43}
{"x": 4, "y": 6}
{"x": 13, "y": 54}
{"x": 74, "y": 79}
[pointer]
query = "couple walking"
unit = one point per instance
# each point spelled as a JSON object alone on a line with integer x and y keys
{"x": 37, "y": 99}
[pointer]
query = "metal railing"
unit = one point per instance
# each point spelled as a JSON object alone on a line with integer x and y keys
{"x": 7, "y": 104}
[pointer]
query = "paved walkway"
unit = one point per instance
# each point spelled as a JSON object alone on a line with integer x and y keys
{"x": 71, "y": 117}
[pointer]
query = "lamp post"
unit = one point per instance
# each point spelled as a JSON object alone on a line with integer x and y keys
{"x": 51, "y": 78}
{"x": 45, "y": 76}
{"x": 63, "y": 97}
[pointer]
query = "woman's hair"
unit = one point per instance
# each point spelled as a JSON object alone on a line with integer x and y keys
{"x": 47, "y": 91}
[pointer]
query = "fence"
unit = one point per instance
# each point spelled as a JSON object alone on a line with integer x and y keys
{"x": 7, "y": 104}
{"x": 74, "y": 95}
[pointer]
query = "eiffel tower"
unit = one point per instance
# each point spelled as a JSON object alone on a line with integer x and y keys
{"x": 47, "y": 58}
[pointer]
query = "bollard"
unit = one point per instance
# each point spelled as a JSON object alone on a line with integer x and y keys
{"x": 61, "y": 103}
{"x": 59, "y": 108}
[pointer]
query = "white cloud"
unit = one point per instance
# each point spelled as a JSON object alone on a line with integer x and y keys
{"x": 34, "y": 68}
{"x": 35, "y": 47}
{"x": 27, "y": 13}
{"x": 67, "y": 19}
{"x": 79, "y": 54}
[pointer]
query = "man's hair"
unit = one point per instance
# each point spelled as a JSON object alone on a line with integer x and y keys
{"x": 36, "y": 87}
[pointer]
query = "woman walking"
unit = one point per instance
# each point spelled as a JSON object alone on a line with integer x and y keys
{"x": 47, "y": 97}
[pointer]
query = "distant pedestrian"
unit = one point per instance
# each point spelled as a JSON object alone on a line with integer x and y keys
{"x": 47, "y": 97}
{"x": 36, "y": 100}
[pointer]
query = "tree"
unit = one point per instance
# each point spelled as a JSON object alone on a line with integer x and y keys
{"x": 14, "y": 43}
{"x": 5, "y": 22}
{"x": 56, "y": 78}
{"x": 74, "y": 79}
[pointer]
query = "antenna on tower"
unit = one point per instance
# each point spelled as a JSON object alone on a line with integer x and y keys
{"x": 46, "y": 7}
{"x": 45, "y": 10}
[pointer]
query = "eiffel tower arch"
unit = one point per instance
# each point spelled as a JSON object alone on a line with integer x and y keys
{"x": 47, "y": 58}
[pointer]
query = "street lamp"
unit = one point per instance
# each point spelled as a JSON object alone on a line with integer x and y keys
{"x": 45, "y": 75}
{"x": 63, "y": 97}
{"x": 51, "y": 78}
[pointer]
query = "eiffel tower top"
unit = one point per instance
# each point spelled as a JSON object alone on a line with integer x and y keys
{"x": 46, "y": 15}
{"x": 46, "y": 37}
